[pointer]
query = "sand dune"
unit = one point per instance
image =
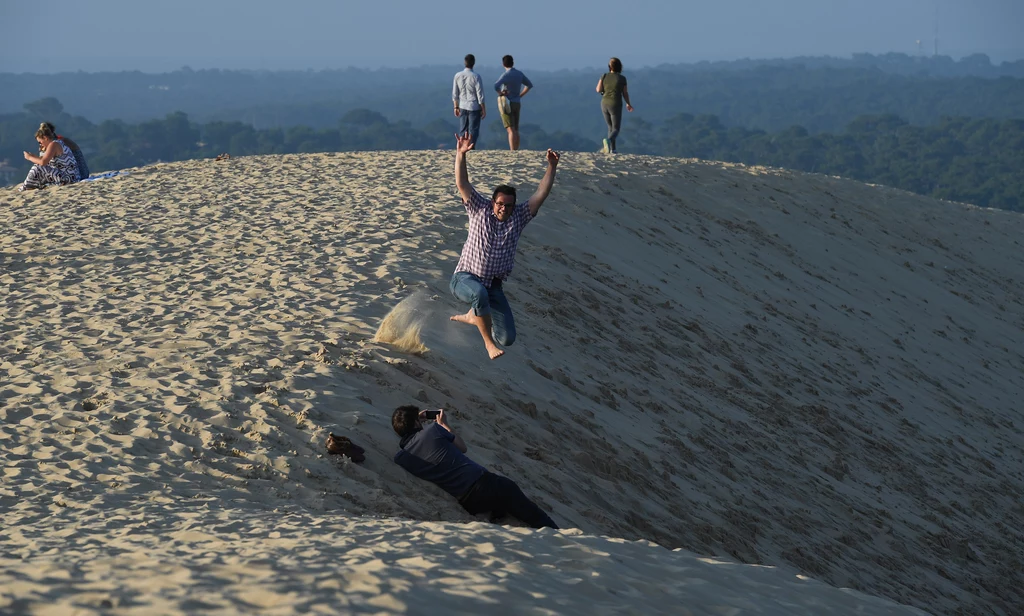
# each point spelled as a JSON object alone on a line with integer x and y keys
{"x": 744, "y": 364}
{"x": 201, "y": 558}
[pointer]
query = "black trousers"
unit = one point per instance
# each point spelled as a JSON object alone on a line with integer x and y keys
{"x": 501, "y": 496}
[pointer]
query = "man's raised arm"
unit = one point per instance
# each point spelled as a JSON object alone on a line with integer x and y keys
{"x": 462, "y": 146}
{"x": 442, "y": 420}
{"x": 544, "y": 189}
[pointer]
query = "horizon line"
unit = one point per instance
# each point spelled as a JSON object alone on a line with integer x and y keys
{"x": 437, "y": 65}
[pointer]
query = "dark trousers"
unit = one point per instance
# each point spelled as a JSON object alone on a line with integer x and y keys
{"x": 613, "y": 118}
{"x": 501, "y": 496}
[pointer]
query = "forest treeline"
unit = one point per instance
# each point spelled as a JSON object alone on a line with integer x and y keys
{"x": 973, "y": 160}
{"x": 820, "y": 94}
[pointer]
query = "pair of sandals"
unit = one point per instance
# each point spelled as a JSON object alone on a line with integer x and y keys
{"x": 342, "y": 445}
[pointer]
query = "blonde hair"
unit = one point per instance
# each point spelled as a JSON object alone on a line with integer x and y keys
{"x": 46, "y": 130}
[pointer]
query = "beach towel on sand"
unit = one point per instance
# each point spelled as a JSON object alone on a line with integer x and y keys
{"x": 103, "y": 176}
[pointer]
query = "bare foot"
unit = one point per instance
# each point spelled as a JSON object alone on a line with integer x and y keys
{"x": 483, "y": 324}
{"x": 468, "y": 318}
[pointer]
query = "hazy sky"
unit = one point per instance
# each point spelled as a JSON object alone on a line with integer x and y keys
{"x": 154, "y": 36}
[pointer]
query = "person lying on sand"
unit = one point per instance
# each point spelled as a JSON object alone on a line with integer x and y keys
{"x": 490, "y": 250}
{"x": 432, "y": 451}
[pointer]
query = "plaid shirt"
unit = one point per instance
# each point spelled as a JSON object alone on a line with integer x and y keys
{"x": 490, "y": 249}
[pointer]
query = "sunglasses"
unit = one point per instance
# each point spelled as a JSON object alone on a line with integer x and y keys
{"x": 504, "y": 205}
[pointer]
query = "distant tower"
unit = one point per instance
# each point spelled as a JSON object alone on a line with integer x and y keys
{"x": 919, "y": 52}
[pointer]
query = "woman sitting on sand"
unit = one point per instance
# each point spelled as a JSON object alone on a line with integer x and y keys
{"x": 612, "y": 88}
{"x": 83, "y": 169}
{"x": 55, "y": 167}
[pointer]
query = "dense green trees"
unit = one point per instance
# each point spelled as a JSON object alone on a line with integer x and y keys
{"x": 974, "y": 160}
{"x": 820, "y": 94}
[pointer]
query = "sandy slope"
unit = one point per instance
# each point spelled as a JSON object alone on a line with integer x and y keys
{"x": 189, "y": 560}
{"x": 762, "y": 366}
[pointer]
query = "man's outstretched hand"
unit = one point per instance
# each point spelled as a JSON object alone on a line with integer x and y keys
{"x": 463, "y": 143}
{"x": 552, "y": 157}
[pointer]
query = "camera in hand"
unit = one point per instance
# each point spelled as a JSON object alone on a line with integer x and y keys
{"x": 431, "y": 414}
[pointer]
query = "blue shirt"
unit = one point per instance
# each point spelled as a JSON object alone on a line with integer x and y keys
{"x": 514, "y": 79}
{"x": 468, "y": 90}
{"x": 431, "y": 454}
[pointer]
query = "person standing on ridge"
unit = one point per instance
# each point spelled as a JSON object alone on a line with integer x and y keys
{"x": 612, "y": 87}
{"x": 490, "y": 249}
{"x": 468, "y": 99}
{"x": 512, "y": 86}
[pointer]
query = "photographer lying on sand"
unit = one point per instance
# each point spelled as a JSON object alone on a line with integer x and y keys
{"x": 431, "y": 450}
{"x": 490, "y": 250}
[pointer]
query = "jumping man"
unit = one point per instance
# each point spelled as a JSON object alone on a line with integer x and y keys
{"x": 490, "y": 249}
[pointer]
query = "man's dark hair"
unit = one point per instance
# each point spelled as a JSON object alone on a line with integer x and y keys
{"x": 504, "y": 189}
{"x": 470, "y": 60}
{"x": 506, "y": 61}
{"x": 615, "y": 65}
{"x": 403, "y": 420}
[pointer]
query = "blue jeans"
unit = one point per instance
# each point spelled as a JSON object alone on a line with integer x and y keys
{"x": 467, "y": 288}
{"x": 470, "y": 121}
